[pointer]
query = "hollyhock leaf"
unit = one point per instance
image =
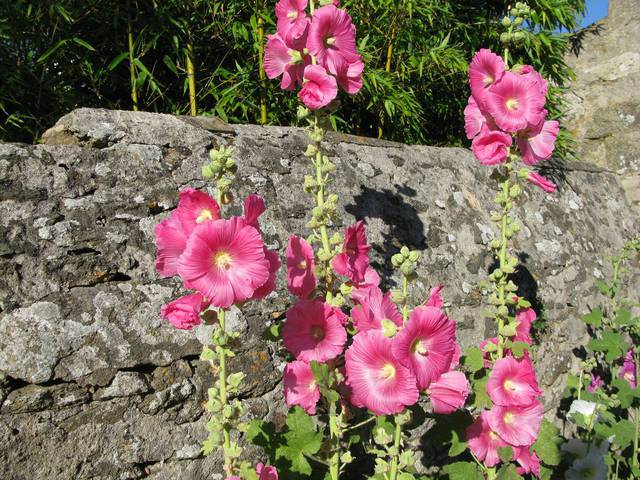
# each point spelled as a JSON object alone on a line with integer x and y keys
{"x": 603, "y": 287}
{"x": 594, "y": 318}
{"x": 481, "y": 397}
{"x": 508, "y": 472}
{"x": 517, "y": 348}
{"x": 473, "y": 359}
{"x": 623, "y": 318}
{"x": 613, "y": 344}
{"x": 547, "y": 445}
{"x": 505, "y": 453}
{"x": 463, "y": 471}
{"x": 625, "y": 393}
{"x": 624, "y": 431}
{"x": 457, "y": 445}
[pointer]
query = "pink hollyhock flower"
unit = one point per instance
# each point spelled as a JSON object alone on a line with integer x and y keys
{"x": 286, "y": 59}
{"x": 474, "y": 120}
{"x": 455, "y": 358}
{"x": 485, "y": 70}
{"x": 529, "y": 461}
{"x": 374, "y": 309}
{"x": 491, "y": 146}
{"x": 225, "y": 261}
{"x": 517, "y": 426}
{"x": 170, "y": 243}
{"x": 194, "y": 208}
{"x": 301, "y": 279}
{"x": 253, "y": 207}
{"x": 353, "y": 261}
{"x": 542, "y": 182}
{"x": 434, "y": 299}
{"x": 537, "y": 145}
{"x": 332, "y": 38}
{"x": 513, "y": 382}
{"x": 318, "y": 87}
{"x": 527, "y": 71}
{"x": 266, "y": 472}
{"x": 292, "y": 19}
{"x": 515, "y": 103}
{"x": 300, "y": 386}
{"x": 449, "y": 392}
{"x": 524, "y": 319}
{"x": 184, "y": 312}
{"x": 628, "y": 370}
{"x": 595, "y": 383}
{"x": 350, "y": 77}
{"x": 270, "y": 285}
{"x": 426, "y": 344}
{"x": 314, "y": 331}
{"x": 378, "y": 381}
{"x": 483, "y": 441}
{"x": 361, "y": 289}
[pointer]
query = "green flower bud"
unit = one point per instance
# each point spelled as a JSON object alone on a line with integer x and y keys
{"x": 398, "y": 297}
{"x": 207, "y": 172}
{"x": 405, "y": 251}
{"x": 414, "y": 256}
{"x": 389, "y": 328}
{"x": 505, "y": 37}
{"x": 506, "y": 21}
{"x": 519, "y": 36}
{"x": 397, "y": 259}
{"x": 346, "y": 289}
{"x": 311, "y": 150}
{"x": 303, "y": 112}
{"x": 518, "y": 21}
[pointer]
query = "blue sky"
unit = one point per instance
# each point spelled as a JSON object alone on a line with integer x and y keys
{"x": 596, "y": 9}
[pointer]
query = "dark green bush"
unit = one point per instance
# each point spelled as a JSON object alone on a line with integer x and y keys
{"x": 62, "y": 54}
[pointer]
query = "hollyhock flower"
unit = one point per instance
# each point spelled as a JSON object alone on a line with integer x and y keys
{"x": 513, "y": 382}
{"x": 524, "y": 319}
{"x": 349, "y": 77}
{"x": 485, "y": 70}
{"x": 270, "y": 285}
{"x": 587, "y": 409}
{"x": 301, "y": 279}
{"x": 353, "y": 260}
{"x": 225, "y": 261}
{"x": 170, "y": 243}
{"x": 628, "y": 370}
{"x": 286, "y": 59}
{"x": 426, "y": 344}
{"x": 374, "y": 309}
{"x": 517, "y": 426}
{"x": 491, "y": 146}
{"x": 515, "y": 103}
{"x": 184, "y": 312}
{"x": 537, "y": 144}
{"x": 474, "y": 120}
{"x": 314, "y": 331}
{"x": 378, "y": 381}
{"x": 595, "y": 384}
{"x": 542, "y": 182}
{"x": 253, "y": 207}
{"x": 332, "y": 38}
{"x": 449, "y": 392}
{"x": 455, "y": 358}
{"x": 266, "y": 472}
{"x": 292, "y": 19}
{"x": 529, "y": 462}
{"x": 318, "y": 87}
{"x": 483, "y": 441}
{"x": 528, "y": 71}
{"x": 360, "y": 290}
{"x": 300, "y": 386}
{"x": 434, "y": 299}
{"x": 194, "y": 208}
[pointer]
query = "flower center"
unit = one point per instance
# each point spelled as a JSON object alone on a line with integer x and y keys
{"x": 388, "y": 371}
{"x": 302, "y": 265}
{"x": 312, "y": 386}
{"x": 629, "y": 376}
{"x": 222, "y": 260}
{"x": 418, "y": 347}
{"x": 509, "y": 385}
{"x": 317, "y": 332}
{"x": 488, "y": 80}
{"x": 329, "y": 41}
{"x": 493, "y": 435}
{"x": 512, "y": 104}
{"x": 204, "y": 216}
{"x": 292, "y": 15}
{"x": 508, "y": 418}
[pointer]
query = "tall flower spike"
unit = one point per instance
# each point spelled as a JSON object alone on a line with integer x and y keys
{"x": 225, "y": 261}
{"x": 314, "y": 331}
{"x": 378, "y": 381}
{"x": 426, "y": 344}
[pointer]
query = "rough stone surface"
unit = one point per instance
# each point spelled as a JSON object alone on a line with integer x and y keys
{"x": 605, "y": 97}
{"x": 94, "y": 384}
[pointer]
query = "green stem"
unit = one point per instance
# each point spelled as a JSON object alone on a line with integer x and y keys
{"x": 334, "y": 435}
{"x": 637, "y": 419}
{"x": 191, "y": 76}
{"x": 223, "y": 396}
{"x": 361, "y": 424}
{"x": 580, "y": 383}
{"x": 132, "y": 67}
{"x": 503, "y": 262}
{"x": 263, "y": 79}
{"x": 405, "y": 293}
{"x": 397, "y": 435}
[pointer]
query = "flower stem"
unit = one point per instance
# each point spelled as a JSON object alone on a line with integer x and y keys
{"x": 334, "y": 435}
{"x": 223, "y": 394}
{"x": 397, "y": 435}
{"x": 637, "y": 419}
{"x": 360, "y": 424}
{"x": 405, "y": 293}
{"x": 503, "y": 263}
{"x": 191, "y": 77}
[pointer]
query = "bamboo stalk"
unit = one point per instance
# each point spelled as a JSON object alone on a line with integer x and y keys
{"x": 387, "y": 68}
{"x": 132, "y": 67}
{"x": 263, "y": 77}
{"x": 191, "y": 77}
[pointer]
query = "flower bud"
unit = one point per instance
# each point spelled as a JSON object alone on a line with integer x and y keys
{"x": 398, "y": 297}
{"x": 519, "y": 36}
{"x": 506, "y": 21}
{"x": 389, "y": 328}
{"x": 303, "y": 112}
{"x": 518, "y": 21}
{"x": 311, "y": 150}
{"x": 397, "y": 260}
{"x": 505, "y": 37}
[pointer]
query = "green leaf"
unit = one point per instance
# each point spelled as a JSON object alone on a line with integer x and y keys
{"x": 51, "y": 51}
{"x": 508, "y": 472}
{"x": 547, "y": 446}
{"x": 624, "y": 432}
{"x": 301, "y": 438}
{"x": 84, "y": 44}
{"x": 612, "y": 344}
{"x": 625, "y": 393}
{"x": 463, "y": 471}
{"x": 116, "y": 61}
{"x": 473, "y": 359}
{"x": 457, "y": 445}
{"x": 481, "y": 399}
{"x": 603, "y": 287}
{"x": 505, "y": 453}
{"x": 593, "y": 318}
{"x": 623, "y": 318}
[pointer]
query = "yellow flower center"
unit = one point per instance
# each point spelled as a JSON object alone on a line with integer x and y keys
{"x": 302, "y": 265}
{"x": 222, "y": 260}
{"x": 418, "y": 347}
{"x": 512, "y": 104}
{"x": 330, "y": 41}
{"x": 509, "y": 385}
{"x": 317, "y": 332}
{"x": 292, "y": 15}
{"x": 204, "y": 216}
{"x": 312, "y": 386}
{"x": 493, "y": 435}
{"x": 488, "y": 80}
{"x": 388, "y": 371}
{"x": 508, "y": 418}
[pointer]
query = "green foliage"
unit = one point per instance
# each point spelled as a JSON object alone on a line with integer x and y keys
{"x": 59, "y": 55}
{"x": 547, "y": 445}
{"x": 463, "y": 471}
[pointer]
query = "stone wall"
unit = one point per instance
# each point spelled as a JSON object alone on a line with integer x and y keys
{"x": 94, "y": 384}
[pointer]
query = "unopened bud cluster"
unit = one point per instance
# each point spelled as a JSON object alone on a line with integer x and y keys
{"x": 221, "y": 169}
{"x": 516, "y": 17}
